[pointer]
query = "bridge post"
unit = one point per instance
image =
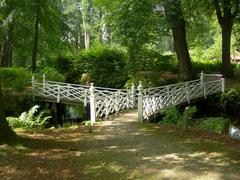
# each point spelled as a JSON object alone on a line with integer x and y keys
{"x": 85, "y": 98}
{"x": 203, "y": 85}
{"x": 92, "y": 105}
{"x": 223, "y": 85}
{"x": 133, "y": 95}
{"x": 202, "y": 77}
{"x": 68, "y": 90}
{"x": 58, "y": 94}
{"x": 33, "y": 87}
{"x": 187, "y": 92}
{"x": 140, "y": 102}
{"x": 44, "y": 82}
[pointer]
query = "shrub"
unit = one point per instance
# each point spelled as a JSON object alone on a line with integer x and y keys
{"x": 215, "y": 124}
{"x": 51, "y": 74}
{"x": 15, "y": 79}
{"x": 16, "y": 104}
{"x": 231, "y": 103}
{"x": 173, "y": 115}
{"x": 30, "y": 119}
{"x": 106, "y": 66}
{"x": 155, "y": 61}
{"x": 14, "y": 122}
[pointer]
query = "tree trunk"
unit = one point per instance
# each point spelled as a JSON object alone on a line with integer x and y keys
{"x": 85, "y": 23}
{"x": 6, "y": 54}
{"x": 175, "y": 17}
{"x": 226, "y": 49}
{"x": 57, "y": 112}
{"x": 226, "y": 12}
{"x": 181, "y": 48}
{"x": 7, "y": 135}
{"x": 35, "y": 40}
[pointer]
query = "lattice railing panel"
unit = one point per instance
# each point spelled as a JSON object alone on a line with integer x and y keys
{"x": 112, "y": 101}
{"x": 156, "y": 99}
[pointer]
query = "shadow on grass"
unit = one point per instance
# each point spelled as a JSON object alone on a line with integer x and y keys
{"x": 118, "y": 150}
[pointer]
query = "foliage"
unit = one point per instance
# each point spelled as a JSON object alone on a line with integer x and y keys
{"x": 30, "y": 119}
{"x": 51, "y": 74}
{"x": 106, "y": 66}
{"x": 15, "y": 79}
{"x": 208, "y": 66}
{"x": 231, "y": 103}
{"x": 215, "y": 124}
{"x": 152, "y": 60}
{"x": 173, "y": 116}
{"x": 16, "y": 103}
{"x": 14, "y": 122}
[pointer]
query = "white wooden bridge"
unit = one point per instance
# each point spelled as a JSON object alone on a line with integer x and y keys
{"x": 150, "y": 101}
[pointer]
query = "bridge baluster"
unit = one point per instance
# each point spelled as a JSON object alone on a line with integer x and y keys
{"x": 58, "y": 93}
{"x": 68, "y": 90}
{"x": 85, "y": 98}
{"x": 92, "y": 105}
{"x": 223, "y": 85}
{"x": 133, "y": 95}
{"x": 33, "y": 87}
{"x": 140, "y": 102}
{"x": 187, "y": 92}
{"x": 44, "y": 83}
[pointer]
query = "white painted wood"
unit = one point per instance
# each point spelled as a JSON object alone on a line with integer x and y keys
{"x": 140, "y": 102}
{"x": 159, "y": 98}
{"x": 44, "y": 82}
{"x": 92, "y": 105}
{"x": 33, "y": 87}
{"x": 223, "y": 85}
{"x": 107, "y": 101}
{"x": 58, "y": 93}
{"x": 85, "y": 97}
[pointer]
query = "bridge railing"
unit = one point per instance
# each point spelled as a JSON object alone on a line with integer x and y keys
{"x": 154, "y": 100}
{"x": 106, "y": 101}
{"x": 102, "y": 101}
{"x": 59, "y": 91}
{"x": 109, "y": 101}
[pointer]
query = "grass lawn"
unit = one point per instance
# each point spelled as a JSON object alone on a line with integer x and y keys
{"x": 120, "y": 149}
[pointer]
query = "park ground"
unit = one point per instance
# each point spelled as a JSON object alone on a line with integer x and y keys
{"x": 120, "y": 148}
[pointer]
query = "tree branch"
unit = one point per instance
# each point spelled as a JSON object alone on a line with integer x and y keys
{"x": 218, "y": 11}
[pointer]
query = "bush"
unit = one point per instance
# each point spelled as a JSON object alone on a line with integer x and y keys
{"x": 231, "y": 104}
{"x": 173, "y": 115}
{"x": 30, "y": 119}
{"x": 106, "y": 66}
{"x": 15, "y": 79}
{"x": 208, "y": 66}
{"x": 215, "y": 124}
{"x": 14, "y": 122}
{"x": 51, "y": 74}
{"x": 16, "y": 104}
{"x": 154, "y": 61}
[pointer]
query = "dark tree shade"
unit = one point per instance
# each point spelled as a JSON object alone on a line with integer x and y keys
{"x": 7, "y": 135}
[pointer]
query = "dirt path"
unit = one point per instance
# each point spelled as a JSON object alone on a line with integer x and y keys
{"x": 118, "y": 149}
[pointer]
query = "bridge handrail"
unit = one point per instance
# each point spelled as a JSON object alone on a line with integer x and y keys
{"x": 153, "y": 100}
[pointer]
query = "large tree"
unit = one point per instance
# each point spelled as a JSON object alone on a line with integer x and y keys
{"x": 175, "y": 18}
{"x": 226, "y": 11}
{"x": 7, "y": 135}
{"x": 36, "y": 36}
